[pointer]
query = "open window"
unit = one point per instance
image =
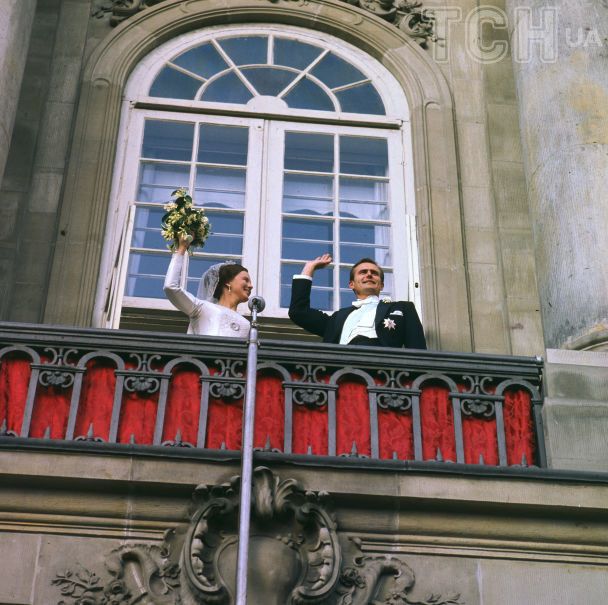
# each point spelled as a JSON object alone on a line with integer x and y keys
{"x": 295, "y": 143}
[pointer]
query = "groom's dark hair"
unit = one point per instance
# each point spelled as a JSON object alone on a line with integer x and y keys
{"x": 366, "y": 260}
{"x": 227, "y": 273}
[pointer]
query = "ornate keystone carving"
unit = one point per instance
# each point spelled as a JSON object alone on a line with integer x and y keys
{"x": 410, "y": 17}
{"x": 296, "y": 557}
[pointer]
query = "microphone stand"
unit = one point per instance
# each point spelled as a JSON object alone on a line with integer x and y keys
{"x": 256, "y": 304}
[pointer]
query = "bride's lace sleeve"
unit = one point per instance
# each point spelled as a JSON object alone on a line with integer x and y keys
{"x": 181, "y": 298}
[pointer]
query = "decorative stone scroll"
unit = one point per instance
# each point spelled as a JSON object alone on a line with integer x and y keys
{"x": 409, "y": 16}
{"x": 296, "y": 557}
{"x": 120, "y": 10}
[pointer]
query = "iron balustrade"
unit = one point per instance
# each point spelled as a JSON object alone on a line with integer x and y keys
{"x": 59, "y": 361}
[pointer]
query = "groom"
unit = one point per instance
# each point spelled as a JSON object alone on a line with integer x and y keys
{"x": 368, "y": 321}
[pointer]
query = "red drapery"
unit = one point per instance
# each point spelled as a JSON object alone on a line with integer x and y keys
{"x": 96, "y": 399}
{"x": 14, "y": 380}
{"x": 352, "y": 418}
{"x": 310, "y": 426}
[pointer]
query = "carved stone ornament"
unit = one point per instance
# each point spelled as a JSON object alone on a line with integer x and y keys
{"x": 296, "y": 557}
{"x": 409, "y": 16}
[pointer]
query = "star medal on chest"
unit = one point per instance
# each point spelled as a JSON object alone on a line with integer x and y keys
{"x": 390, "y": 324}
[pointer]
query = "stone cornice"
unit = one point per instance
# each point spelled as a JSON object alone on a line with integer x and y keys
{"x": 410, "y": 17}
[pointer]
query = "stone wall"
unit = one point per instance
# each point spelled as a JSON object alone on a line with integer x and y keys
{"x": 491, "y": 540}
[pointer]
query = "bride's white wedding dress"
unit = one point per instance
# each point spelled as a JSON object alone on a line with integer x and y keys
{"x": 206, "y": 318}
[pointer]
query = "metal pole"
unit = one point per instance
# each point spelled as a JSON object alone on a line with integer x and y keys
{"x": 256, "y": 304}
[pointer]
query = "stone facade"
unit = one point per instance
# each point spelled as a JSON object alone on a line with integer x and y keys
{"x": 473, "y": 539}
{"x": 510, "y": 173}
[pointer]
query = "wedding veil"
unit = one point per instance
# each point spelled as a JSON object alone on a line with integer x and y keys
{"x": 209, "y": 281}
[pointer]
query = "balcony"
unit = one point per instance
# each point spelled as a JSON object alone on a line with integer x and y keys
{"x": 61, "y": 387}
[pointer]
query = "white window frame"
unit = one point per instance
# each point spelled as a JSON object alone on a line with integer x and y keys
{"x": 264, "y": 266}
{"x": 270, "y": 262}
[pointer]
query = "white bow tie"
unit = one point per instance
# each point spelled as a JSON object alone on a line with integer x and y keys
{"x": 366, "y": 301}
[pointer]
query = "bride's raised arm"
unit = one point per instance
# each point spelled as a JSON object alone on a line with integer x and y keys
{"x": 181, "y": 298}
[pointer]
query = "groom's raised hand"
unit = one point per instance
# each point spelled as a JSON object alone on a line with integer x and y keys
{"x": 316, "y": 263}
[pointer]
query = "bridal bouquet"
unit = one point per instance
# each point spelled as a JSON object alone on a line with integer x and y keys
{"x": 182, "y": 219}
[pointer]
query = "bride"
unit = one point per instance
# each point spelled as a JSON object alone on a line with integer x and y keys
{"x": 213, "y": 311}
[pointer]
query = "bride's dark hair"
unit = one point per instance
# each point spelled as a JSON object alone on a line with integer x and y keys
{"x": 227, "y": 273}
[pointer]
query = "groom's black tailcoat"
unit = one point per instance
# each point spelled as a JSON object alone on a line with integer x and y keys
{"x": 407, "y": 331}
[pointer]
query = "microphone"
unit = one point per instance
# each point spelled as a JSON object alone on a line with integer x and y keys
{"x": 258, "y": 302}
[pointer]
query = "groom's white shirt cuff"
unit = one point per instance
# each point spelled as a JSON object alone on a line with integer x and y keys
{"x": 301, "y": 276}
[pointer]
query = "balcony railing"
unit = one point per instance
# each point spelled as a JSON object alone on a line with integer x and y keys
{"x": 313, "y": 399}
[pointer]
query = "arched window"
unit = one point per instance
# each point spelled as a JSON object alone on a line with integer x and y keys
{"x": 294, "y": 142}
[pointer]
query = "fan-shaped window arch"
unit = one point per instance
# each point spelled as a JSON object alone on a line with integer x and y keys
{"x": 238, "y": 68}
{"x": 296, "y": 143}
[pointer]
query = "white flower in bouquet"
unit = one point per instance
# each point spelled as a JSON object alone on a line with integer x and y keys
{"x": 183, "y": 220}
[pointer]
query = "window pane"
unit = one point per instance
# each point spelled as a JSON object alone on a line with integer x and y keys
{"x": 334, "y": 72}
{"x": 168, "y": 140}
{"x": 351, "y": 253}
{"x": 227, "y": 89}
{"x": 203, "y": 60}
{"x": 268, "y": 80}
{"x": 146, "y": 275}
{"x": 361, "y": 99}
{"x": 224, "y": 244}
{"x": 363, "y": 155}
{"x": 363, "y": 190}
{"x": 308, "y": 95}
{"x": 303, "y": 229}
{"x": 158, "y": 181}
{"x": 247, "y": 50}
{"x": 146, "y": 231}
{"x": 298, "y": 250}
{"x": 226, "y": 233}
{"x": 225, "y": 223}
{"x": 223, "y": 145}
{"x": 363, "y": 199}
{"x": 304, "y": 194}
{"x": 174, "y": 84}
{"x": 311, "y": 152}
{"x": 220, "y": 187}
{"x": 293, "y": 53}
{"x": 365, "y": 234}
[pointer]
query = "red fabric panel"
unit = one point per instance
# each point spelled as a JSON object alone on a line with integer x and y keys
{"x": 183, "y": 405}
{"x": 479, "y": 437}
{"x": 137, "y": 418}
{"x": 309, "y": 429}
{"x": 269, "y": 412}
{"x": 519, "y": 426}
{"x": 224, "y": 424}
{"x": 96, "y": 398}
{"x": 395, "y": 434}
{"x": 437, "y": 422}
{"x": 138, "y": 414}
{"x": 352, "y": 418}
{"x": 14, "y": 381}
